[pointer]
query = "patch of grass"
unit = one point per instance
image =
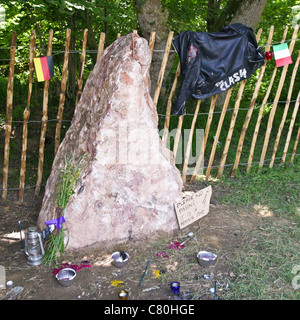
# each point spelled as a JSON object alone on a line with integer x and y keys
{"x": 263, "y": 267}
{"x": 278, "y": 188}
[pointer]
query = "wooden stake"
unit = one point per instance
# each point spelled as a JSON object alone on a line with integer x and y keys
{"x": 169, "y": 105}
{"x": 101, "y": 45}
{"x": 151, "y": 43}
{"x": 207, "y": 128}
{"x": 250, "y": 111}
{"x": 277, "y": 96}
{"x": 163, "y": 68}
{"x": 231, "y": 127}
{"x": 262, "y": 108}
{"x": 295, "y": 146}
{"x": 189, "y": 145}
{"x": 177, "y": 136}
{"x": 288, "y": 138}
{"x": 44, "y": 123}
{"x": 9, "y": 105}
{"x": 286, "y": 108}
{"x": 62, "y": 95}
{"x": 214, "y": 147}
{"x": 81, "y": 68}
{"x": 32, "y": 47}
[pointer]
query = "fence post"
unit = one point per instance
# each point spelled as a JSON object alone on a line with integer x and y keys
{"x": 32, "y": 47}
{"x": 250, "y": 110}
{"x": 44, "y": 123}
{"x": 213, "y": 150}
{"x": 62, "y": 95}
{"x": 261, "y": 110}
{"x": 277, "y": 96}
{"x": 288, "y": 99}
{"x": 9, "y": 105}
{"x": 207, "y": 128}
{"x": 169, "y": 105}
{"x": 190, "y": 140}
{"x": 177, "y": 136}
{"x": 101, "y": 45}
{"x": 81, "y": 67}
{"x": 151, "y": 44}
{"x": 295, "y": 146}
{"x": 288, "y": 138}
{"x": 231, "y": 127}
{"x": 163, "y": 68}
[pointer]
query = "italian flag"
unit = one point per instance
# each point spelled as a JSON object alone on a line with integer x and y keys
{"x": 44, "y": 68}
{"x": 282, "y": 55}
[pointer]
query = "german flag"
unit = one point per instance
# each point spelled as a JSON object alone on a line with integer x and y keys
{"x": 44, "y": 68}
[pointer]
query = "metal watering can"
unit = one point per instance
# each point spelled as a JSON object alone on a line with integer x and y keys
{"x": 34, "y": 248}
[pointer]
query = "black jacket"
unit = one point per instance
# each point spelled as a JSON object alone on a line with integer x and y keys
{"x": 214, "y": 62}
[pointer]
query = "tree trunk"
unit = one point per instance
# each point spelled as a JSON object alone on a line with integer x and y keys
{"x": 152, "y": 17}
{"x": 249, "y": 13}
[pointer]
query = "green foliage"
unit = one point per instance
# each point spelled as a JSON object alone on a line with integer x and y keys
{"x": 56, "y": 245}
{"x": 69, "y": 175}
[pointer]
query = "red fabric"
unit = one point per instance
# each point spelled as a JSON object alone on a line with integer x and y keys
{"x": 176, "y": 245}
{"x": 73, "y": 266}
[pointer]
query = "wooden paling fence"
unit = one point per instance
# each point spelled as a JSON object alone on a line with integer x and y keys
{"x": 208, "y": 128}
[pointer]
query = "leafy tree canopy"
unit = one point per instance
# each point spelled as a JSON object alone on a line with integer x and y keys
{"x": 119, "y": 16}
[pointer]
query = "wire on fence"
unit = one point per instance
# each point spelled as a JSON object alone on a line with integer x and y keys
{"x": 159, "y": 114}
{"x": 54, "y": 53}
{"x": 225, "y": 165}
{"x": 155, "y": 50}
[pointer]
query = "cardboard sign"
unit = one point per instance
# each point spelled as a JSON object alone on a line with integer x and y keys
{"x": 193, "y": 208}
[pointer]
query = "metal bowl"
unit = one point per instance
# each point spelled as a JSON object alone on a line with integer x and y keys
{"x": 206, "y": 259}
{"x": 120, "y": 258}
{"x": 66, "y": 276}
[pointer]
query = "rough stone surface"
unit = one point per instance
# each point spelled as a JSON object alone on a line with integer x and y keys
{"x": 130, "y": 184}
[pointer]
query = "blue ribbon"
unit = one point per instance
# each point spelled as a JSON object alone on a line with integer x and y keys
{"x": 57, "y": 222}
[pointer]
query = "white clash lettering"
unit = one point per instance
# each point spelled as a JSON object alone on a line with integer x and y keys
{"x": 236, "y": 77}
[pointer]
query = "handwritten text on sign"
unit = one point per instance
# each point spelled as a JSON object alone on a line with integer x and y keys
{"x": 193, "y": 208}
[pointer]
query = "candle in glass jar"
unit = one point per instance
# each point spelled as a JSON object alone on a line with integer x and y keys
{"x": 123, "y": 295}
{"x": 175, "y": 287}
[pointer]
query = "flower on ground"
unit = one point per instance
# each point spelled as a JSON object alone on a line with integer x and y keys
{"x": 162, "y": 254}
{"x": 176, "y": 245}
{"x": 157, "y": 274}
{"x": 117, "y": 283}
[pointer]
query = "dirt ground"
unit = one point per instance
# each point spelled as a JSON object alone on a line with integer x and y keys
{"x": 222, "y": 231}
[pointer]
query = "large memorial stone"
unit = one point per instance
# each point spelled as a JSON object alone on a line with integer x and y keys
{"x": 130, "y": 183}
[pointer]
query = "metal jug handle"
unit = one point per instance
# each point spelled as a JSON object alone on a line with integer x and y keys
{"x": 41, "y": 243}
